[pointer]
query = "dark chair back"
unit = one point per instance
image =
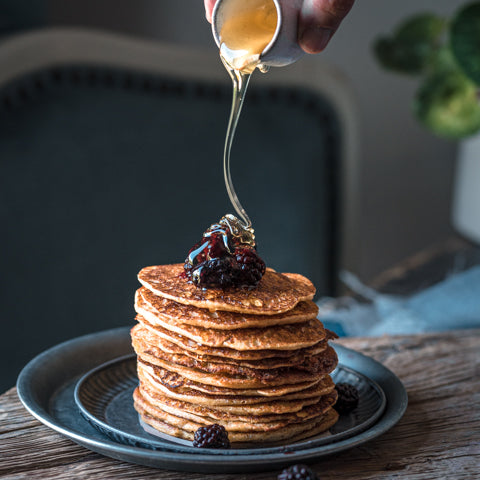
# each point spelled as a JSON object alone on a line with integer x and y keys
{"x": 105, "y": 170}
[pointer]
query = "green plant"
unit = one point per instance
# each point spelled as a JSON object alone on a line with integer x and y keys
{"x": 445, "y": 54}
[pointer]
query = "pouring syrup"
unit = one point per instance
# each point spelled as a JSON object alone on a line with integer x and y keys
{"x": 245, "y": 33}
{"x": 226, "y": 255}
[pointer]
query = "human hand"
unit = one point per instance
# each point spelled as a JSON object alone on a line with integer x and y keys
{"x": 318, "y": 20}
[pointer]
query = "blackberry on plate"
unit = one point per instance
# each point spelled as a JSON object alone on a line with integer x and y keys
{"x": 298, "y": 472}
{"x": 348, "y": 398}
{"x": 211, "y": 436}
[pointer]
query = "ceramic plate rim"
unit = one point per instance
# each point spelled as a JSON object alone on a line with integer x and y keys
{"x": 310, "y": 443}
{"x": 119, "y": 342}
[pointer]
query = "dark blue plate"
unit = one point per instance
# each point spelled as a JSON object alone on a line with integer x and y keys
{"x": 104, "y": 361}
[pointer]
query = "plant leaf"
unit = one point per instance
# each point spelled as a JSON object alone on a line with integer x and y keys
{"x": 443, "y": 60}
{"x": 412, "y": 47}
{"x": 465, "y": 40}
{"x": 447, "y": 104}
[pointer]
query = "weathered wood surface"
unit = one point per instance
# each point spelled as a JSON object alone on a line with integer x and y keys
{"x": 438, "y": 438}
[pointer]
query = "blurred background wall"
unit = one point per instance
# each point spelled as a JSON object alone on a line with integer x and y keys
{"x": 406, "y": 173}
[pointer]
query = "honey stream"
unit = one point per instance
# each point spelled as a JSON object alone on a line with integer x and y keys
{"x": 240, "y": 84}
{"x": 248, "y": 29}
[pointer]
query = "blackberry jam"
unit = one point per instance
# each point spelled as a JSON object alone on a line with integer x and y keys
{"x": 225, "y": 257}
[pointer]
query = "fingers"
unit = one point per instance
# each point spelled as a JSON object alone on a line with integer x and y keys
{"x": 319, "y": 20}
{"x": 209, "y": 4}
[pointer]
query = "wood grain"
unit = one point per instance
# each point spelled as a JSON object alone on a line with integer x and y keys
{"x": 438, "y": 438}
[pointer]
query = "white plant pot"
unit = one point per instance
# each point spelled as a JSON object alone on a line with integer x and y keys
{"x": 466, "y": 191}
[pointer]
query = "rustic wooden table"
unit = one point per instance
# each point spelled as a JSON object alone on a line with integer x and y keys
{"x": 438, "y": 437}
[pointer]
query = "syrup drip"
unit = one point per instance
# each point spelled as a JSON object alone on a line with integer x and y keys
{"x": 240, "y": 84}
{"x": 244, "y": 36}
{"x": 226, "y": 255}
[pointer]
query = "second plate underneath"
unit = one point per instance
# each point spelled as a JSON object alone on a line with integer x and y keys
{"x": 104, "y": 397}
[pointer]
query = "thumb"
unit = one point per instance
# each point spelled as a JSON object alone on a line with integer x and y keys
{"x": 319, "y": 20}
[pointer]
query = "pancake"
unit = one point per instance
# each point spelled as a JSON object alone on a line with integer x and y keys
{"x": 245, "y": 412}
{"x": 291, "y": 434}
{"x": 281, "y": 337}
{"x": 192, "y": 346}
{"x": 175, "y": 381}
{"x": 262, "y": 378}
{"x": 162, "y": 348}
{"x": 185, "y": 428}
{"x": 318, "y": 363}
{"x": 173, "y": 312}
{"x": 232, "y": 368}
{"x": 234, "y": 376}
{"x": 256, "y": 361}
{"x": 243, "y": 420}
{"x": 267, "y": 423}
{"x": 275, "y": 293}
{"x": 286, "y": 403}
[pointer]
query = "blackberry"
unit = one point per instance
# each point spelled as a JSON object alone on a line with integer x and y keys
{"x": 211, "y": 436}
{"x": 217, "y": 272}
{"x": 298, "y": 472}
{"x": 348, "y": 398}
{"x": 250, "y": 266}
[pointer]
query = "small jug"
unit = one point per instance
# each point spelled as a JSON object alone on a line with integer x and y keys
{"x": 283, "y": 49}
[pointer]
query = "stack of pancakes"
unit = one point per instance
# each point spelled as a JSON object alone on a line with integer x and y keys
{"x": 255, "y": 361}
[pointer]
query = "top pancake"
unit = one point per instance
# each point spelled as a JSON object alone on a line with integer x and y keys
{"x": 275, "y": 293}
{"x": 221, "y": 320}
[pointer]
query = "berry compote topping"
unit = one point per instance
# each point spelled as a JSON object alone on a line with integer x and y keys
{"x": 225, "y": 257}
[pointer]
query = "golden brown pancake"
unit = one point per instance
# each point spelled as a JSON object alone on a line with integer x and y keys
{"x": 227, "y": 397}
{"x": 262, "y": 378}
{"x": 185, "y": 428}
{"x": 174, "y": 313}
{"x": 291, "y": 434}
{"x": 242, "y": 422}
{"x": 175, "y": 380}
{"x": 162, "y": 348}
{"x": 270, "y": 411}
{"x": 254, "y": 405}
{"x": 281, "y": 337}
{"x": 256, "y": 361}
{"x": 192, "y": 346}
{"x": 179, "y": 416}
{"x": 320, "y": 364}
{"x": 233, "y": 375}
{"x": 275, "y": 293}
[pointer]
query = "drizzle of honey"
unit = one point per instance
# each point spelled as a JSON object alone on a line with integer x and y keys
{"x": 248, "y": 27}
